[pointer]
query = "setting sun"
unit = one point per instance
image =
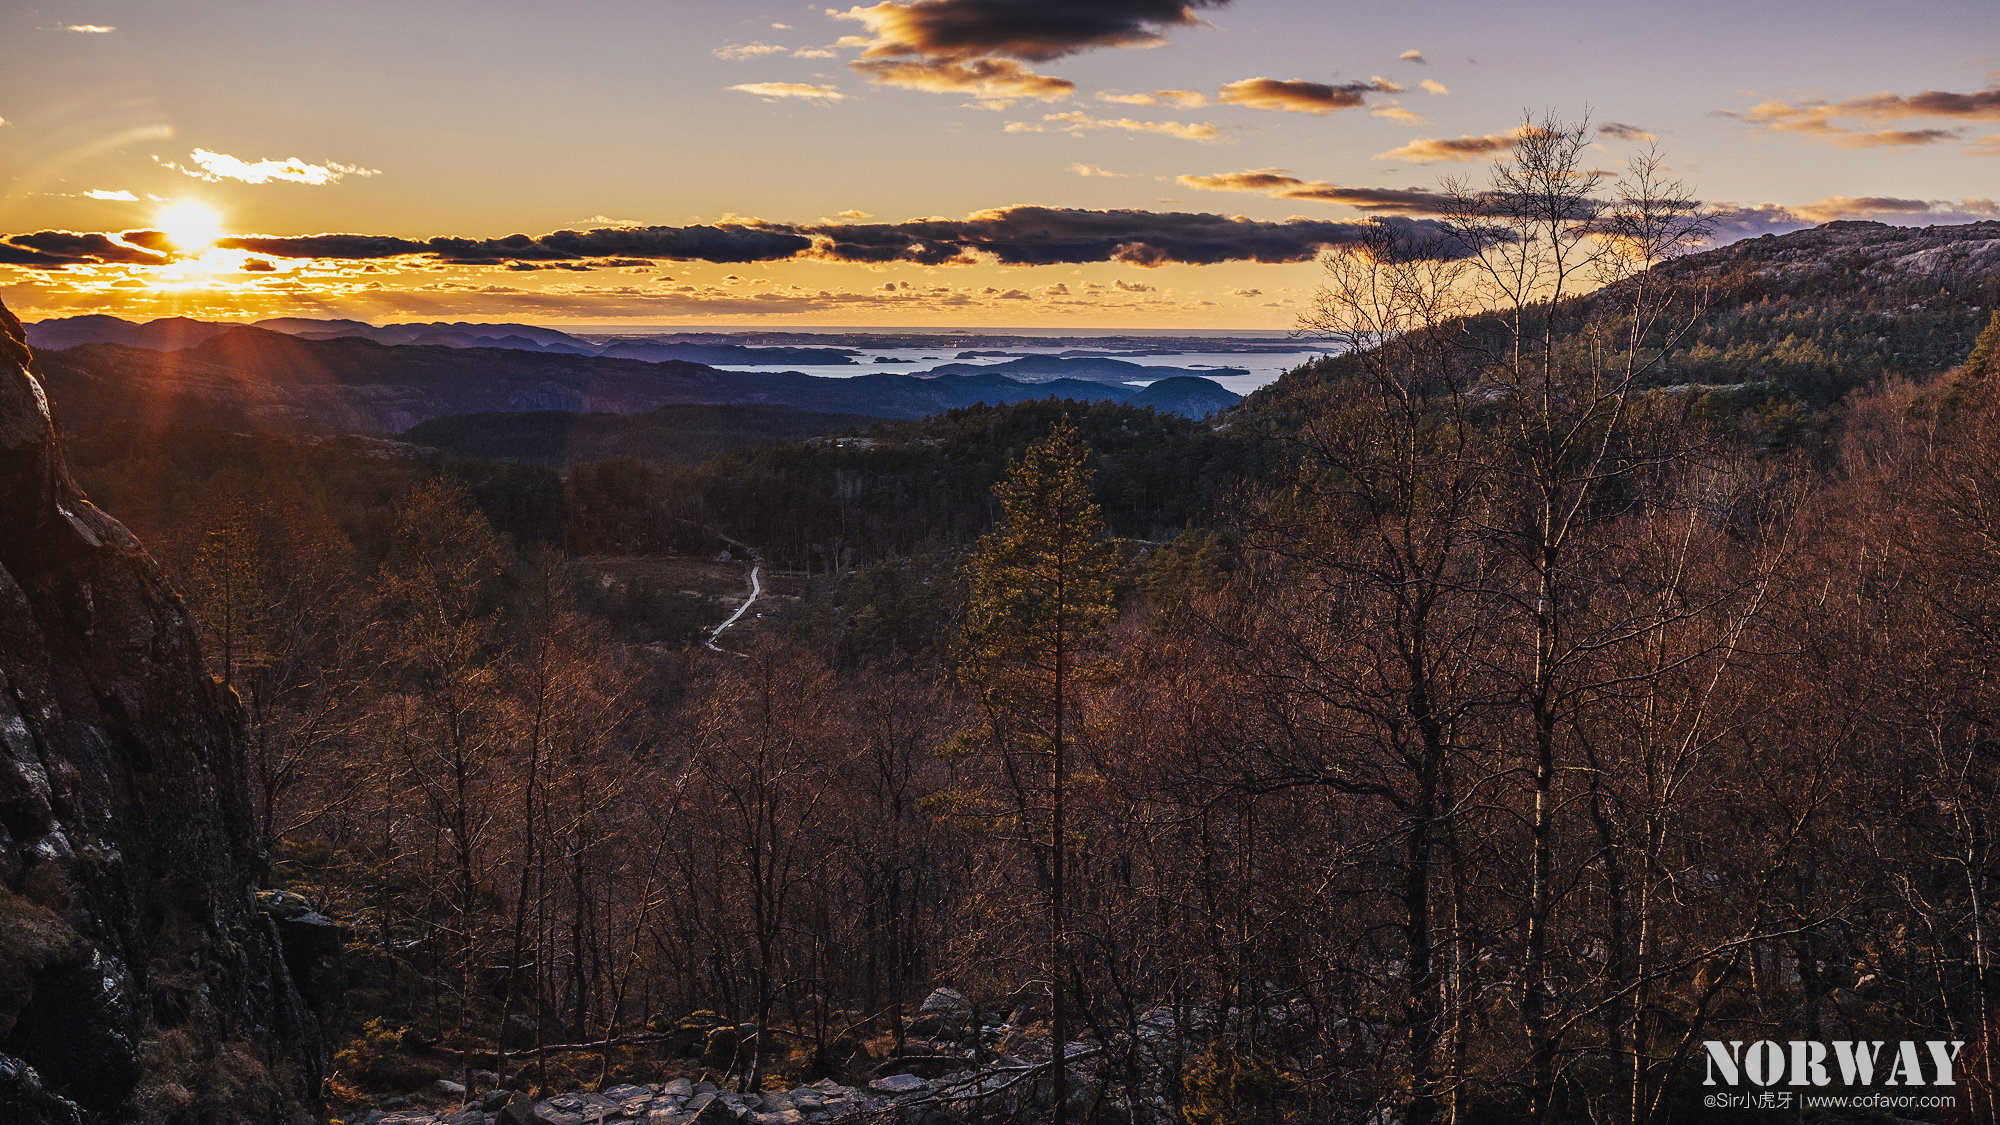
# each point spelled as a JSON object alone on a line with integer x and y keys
{"x": 193, "y": 227}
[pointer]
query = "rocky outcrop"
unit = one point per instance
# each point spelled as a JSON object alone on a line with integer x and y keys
{"x": 140, "y": 981}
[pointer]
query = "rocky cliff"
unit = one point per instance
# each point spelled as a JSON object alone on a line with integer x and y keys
{"x": 139, "y": 979}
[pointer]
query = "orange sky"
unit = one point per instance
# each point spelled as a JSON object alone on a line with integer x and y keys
{"x": 740, "y": 142}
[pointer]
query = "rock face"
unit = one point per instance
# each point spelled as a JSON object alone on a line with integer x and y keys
{"x": 139, "y": 979}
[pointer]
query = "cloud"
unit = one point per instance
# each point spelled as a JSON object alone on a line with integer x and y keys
{"x": 1029, "y": 30}
{"x": 1185, "y": 99}
{"x": 258, "y": 265}
{"x": 90, "y": 28}
{"x": 1018, "y": 235}
{"x": 1621, "y": 132}
{"x": 1246, "y": 292}
{"x": 1299, "y": 96}
{"x": 792, "y": 90}
{"x": 1134, "y": 287}
{"x": 735, "y": 51}
{"x": 854, "y": 213}
{"x": 215, "y": 167}
{"x": 1737, "y": 221}
{"x": 996, "y": 83}
{"x": 1280, "y": 184}
{"x": 1412, "y": 56}
{"x": 1816, "y": 118}
{"x": 124, "y": 196}
{"x": 1435, "y": 87}
{"x": 54, "y": 249}
{"x": 1394, "y": 111}
{"x": 1022, "y": 127}
{"x": 1464, "y": 148}
{"x": 1077, "y": 121}
{"x": 812, "y": 53}
{"x": 1024, "y": 235}
{"x": 1094, "y": 170}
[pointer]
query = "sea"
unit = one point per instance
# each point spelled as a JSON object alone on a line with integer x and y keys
{"x": 1241, "y": 372}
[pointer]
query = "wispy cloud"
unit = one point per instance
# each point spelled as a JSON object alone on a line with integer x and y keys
{"x": 1434, "y": 87}
{"x": 1619, "y": 131}
{"x": 1281, "y": 184}
{"x": 993, "y": 83}
{"x": 1295, "y": 95}
{"x": 772, "y": 90}
{"x": 90, "y": 28}
{"x": 1412, "y": 56}
{"x": 1394, "y": 111}
{"x": 216, "y": 166}
{"x": 1820, "y": 120}
{"x": 122, "y": 196}
{"x": 1430, "y": 149}
{"x": 1094, "y": 170}
{"x": 1184, "y": 99}
{"x": 1077, "y": 121}
{"x": 738, "y": 51}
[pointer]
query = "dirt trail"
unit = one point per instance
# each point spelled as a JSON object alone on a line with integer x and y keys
{"x": 756, "y": 589}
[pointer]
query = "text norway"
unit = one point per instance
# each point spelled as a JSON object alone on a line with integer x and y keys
{"x": 1766, "y": 1063}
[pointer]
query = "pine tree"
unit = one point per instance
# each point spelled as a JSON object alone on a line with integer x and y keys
{"x": 1041, "y": 590}
{"x": 1985, "y": 357}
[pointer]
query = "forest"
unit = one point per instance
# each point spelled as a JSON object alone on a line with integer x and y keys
{"x": 1466, "y": 728}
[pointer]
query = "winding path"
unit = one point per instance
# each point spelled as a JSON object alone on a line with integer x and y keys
{"x": 756, "y": 588}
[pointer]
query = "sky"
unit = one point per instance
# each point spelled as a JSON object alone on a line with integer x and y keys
{"x": 1094, "y": 164}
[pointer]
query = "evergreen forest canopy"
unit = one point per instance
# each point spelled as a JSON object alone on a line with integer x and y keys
{"x": 1595, "y": 659}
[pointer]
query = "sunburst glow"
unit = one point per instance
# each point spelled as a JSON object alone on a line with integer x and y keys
{"x": 193, "y": 227}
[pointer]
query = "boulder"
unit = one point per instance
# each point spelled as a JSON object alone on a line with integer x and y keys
{"x": 518, "y": 1031}
{"x": 710, "y": 1109}
{"x": 898, "y": 1084}
{"x": 946, "y": 1000}
{"x": 518, "y": 1109}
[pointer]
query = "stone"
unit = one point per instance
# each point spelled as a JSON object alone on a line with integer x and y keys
{"x": 678, "y": 1088}
{"x": 519, "y": 1109}
{"x": 519, "y": 1031}
{"x": 710, "y": 1109}
{"x": 898, "y": 1084}
{"x": 946, "y": 1000}
{"x": 448, "y": 1088}
{"x": 495, "y": 1100}
{"x": 627, "y": 1093}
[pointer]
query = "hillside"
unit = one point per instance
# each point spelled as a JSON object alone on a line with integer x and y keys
{"x": 250, "y": 378}
{"x": 1800, "y": 318}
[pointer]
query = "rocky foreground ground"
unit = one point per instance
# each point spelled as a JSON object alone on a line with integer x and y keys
{"x": 901, "y": 1097}
{"x": 939, "y": 1088}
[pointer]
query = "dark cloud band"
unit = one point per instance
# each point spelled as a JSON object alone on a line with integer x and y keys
{"x": 1030, "y": 30}
{"x": 1014, "y": 236}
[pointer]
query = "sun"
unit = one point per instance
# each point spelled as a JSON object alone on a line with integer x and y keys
{"x": 193, "y": 227}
